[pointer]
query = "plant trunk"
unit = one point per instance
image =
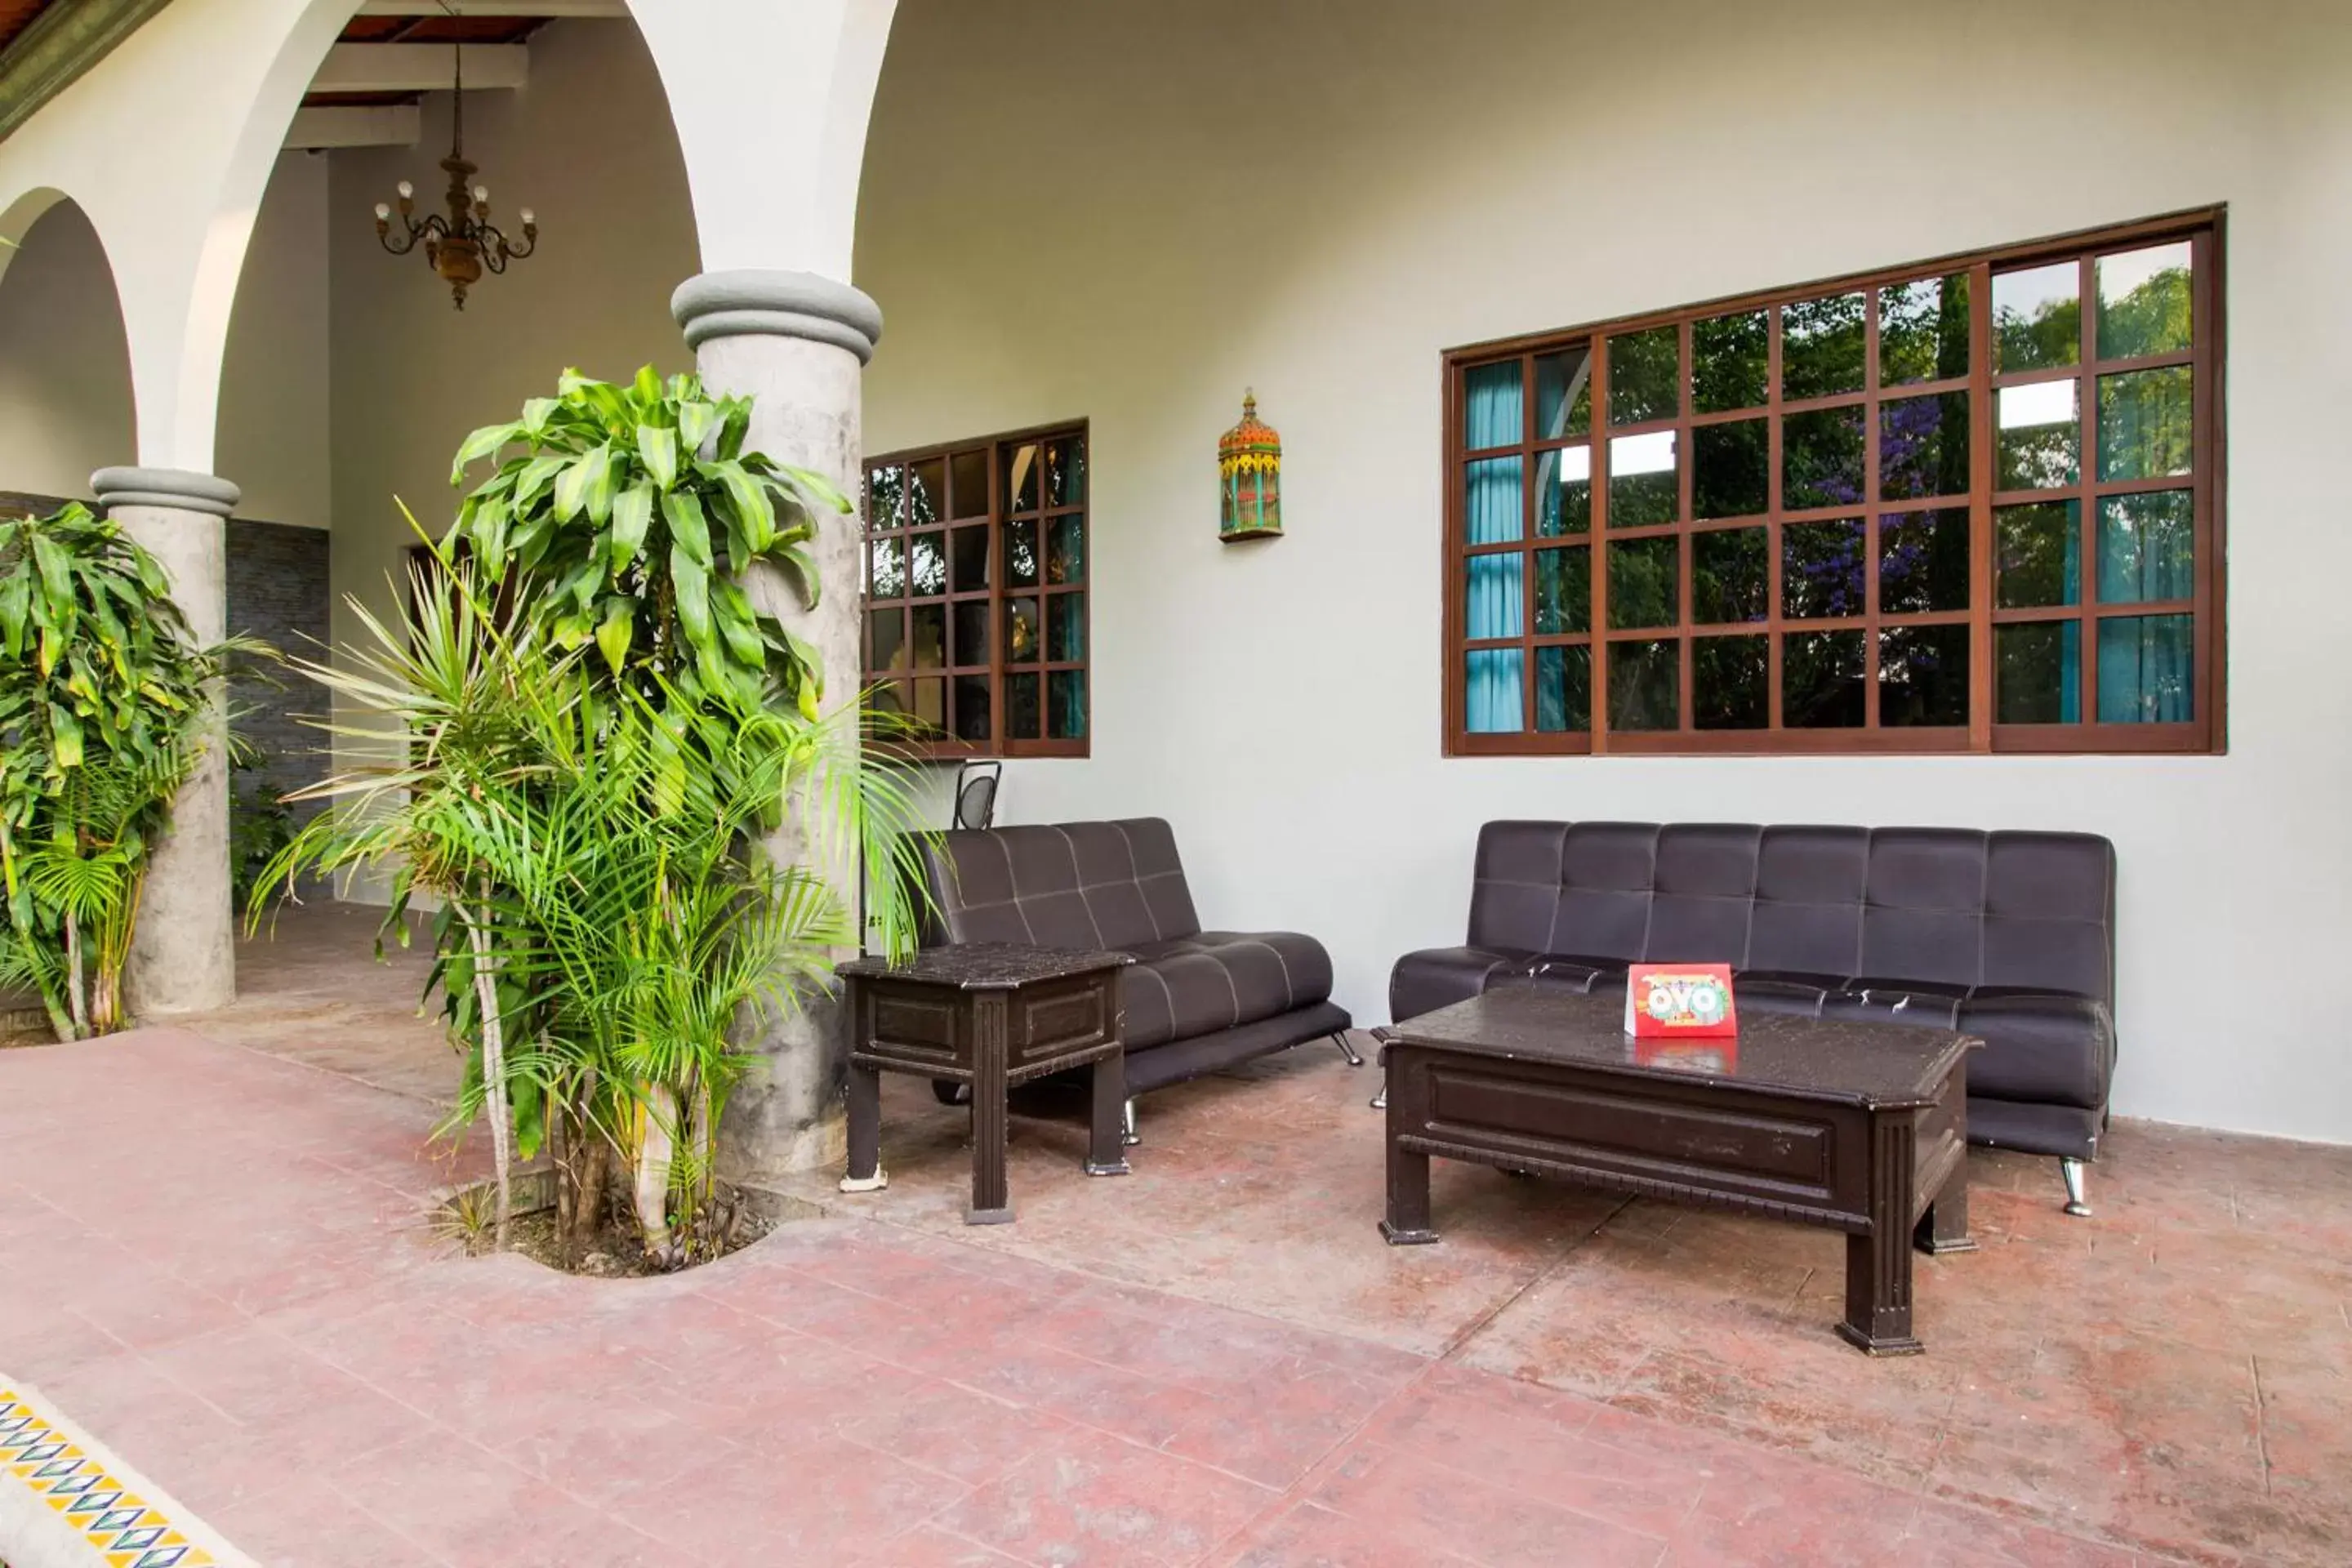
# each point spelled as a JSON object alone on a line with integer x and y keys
{"x": 596, "y": 1170}
{"x": 562, "y": 1149}
{"x": 700, "y": 1148}
{"x": 105, "y": 1002}
{"x": 74, "y": 997}
{"x": 494, "y": 1065}
{"x": 657, "y": 1146}
{"x": 113, "y": 952}
{"x": 589, "y": 1160}
{"x": 61, "y": 1022}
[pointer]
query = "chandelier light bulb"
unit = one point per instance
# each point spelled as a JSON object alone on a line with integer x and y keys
{"x": 481, "y": 193}
{"x": 406, "y": 190}
{"x": 381, "y": 212}
{"x": 528, "y": 218}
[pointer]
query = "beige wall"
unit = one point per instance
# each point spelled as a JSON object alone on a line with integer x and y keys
{"x": 275, "y": 398}
{"x": 65, "y": 368}
{"x": 64, "y": 373}
{"x": 587, "y": 145}
{"x": 1130, "y": 212}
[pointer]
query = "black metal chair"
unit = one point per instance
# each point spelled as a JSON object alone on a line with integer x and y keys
{"x": 975, "y": 797}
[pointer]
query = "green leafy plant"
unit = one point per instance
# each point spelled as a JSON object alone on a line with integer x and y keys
{"x": 609, "y": 923}
{"x": 260, "y": 823}
{"x": 104, "y": 700}
{"x": 593, "y": 733}
{"x": 633, "y": 519}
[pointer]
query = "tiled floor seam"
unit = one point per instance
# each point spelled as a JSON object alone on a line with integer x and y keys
{"x": 425, "y": 1554}
{"x": 1301, "y": 1489}
{"x": 1459, "y": 1341}
{"x": 2262, "y": 1420}
{"x": 1083, "y": 1424}
{"x": 953, "y": 1382}
{"x": 2001, "y": 1508}
{"x": 1268, "y": 1318}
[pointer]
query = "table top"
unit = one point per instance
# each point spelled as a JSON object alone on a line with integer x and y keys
{"x": 1852, "y": 1062}
{"x": 986, "y": 965}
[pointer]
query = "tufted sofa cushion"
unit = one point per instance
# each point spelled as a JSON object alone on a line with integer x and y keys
{"x": 1120, "y": 886}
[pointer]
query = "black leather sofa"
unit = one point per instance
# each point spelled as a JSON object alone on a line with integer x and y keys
{"x": 2007, "y": 936}
{"x": 1196, "y": 1000}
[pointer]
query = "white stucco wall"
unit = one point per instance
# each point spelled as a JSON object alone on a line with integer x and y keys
{"x": 1181, "y": 200}
{"x": 65, "y": 368}
{"x": 1129, "y": 212}
{"x": 275, "y": 398}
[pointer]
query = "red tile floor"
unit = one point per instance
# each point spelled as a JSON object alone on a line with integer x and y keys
{"x": 210, "y": 1254}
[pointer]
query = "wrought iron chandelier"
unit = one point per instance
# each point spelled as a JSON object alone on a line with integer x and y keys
{"x": 462, "y": 245}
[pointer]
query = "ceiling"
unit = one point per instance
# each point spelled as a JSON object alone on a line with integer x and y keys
{"x": 46, "y": 45}
{"x": 408, "y": 30}
{"x": 15, "y": 15}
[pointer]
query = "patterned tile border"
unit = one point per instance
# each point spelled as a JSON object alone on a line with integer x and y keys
{"x": 59, "y": 1486}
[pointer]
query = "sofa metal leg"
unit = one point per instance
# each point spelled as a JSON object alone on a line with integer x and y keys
{"x": 1347, "y": 1048}
{"x": 1380, "y": 1100}
{"x": 2073, "y": 1170}
{"x": 1127, "y": 1119}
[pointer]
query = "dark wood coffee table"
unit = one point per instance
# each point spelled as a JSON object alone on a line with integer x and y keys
{"x": 987, "y": 1015}
{"x": 1861, "y": 1127}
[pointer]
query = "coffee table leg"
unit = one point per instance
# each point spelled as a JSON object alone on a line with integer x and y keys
{"x": 1945, "y": 1226}
{"x": 1407, "y": 1224}
{"x": 1408, "y": 1221}
{"x": 1878, "y": 1264}
{"x": 1106, "y": 1129}
{"x": 865, "y": 1174}
{"x": 990, "y": 1203}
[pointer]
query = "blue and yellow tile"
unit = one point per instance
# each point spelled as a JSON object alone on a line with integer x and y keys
{"x": 120, "y": 1525}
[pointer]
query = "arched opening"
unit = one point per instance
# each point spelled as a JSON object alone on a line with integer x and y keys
{"x": 347, "y": 375}
{"x": 66, "y": 402}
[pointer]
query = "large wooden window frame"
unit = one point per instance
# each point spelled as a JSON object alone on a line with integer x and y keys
{"x": 2087, "y": 733}
{"x": 1039, "y": 544}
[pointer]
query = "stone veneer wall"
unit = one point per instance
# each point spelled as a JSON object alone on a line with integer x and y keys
{"x": 277, "y": 591}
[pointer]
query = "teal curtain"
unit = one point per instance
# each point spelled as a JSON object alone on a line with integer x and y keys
{"x": 2144, "y": 665}
{"x": 1495, "y": 677}
{"x": 2070, "y": 669}
{"x": 2147, "y": 554}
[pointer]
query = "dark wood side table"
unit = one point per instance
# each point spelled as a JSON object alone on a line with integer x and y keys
{"x": 1860, "y": 1127}
{"x": 987, "y": 1015}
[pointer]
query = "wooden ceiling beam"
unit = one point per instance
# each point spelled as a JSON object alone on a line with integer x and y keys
{"x": 546, "y": 9}
{"x": 354, "y": 125}
{"x": 419, "y": 68}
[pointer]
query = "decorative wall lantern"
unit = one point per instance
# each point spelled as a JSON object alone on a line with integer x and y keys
{"x": 1249, "y": 464}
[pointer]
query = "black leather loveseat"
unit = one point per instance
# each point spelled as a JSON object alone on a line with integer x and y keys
{"x": 2006, "y": 936}
{"x": 1196, "y": 1000}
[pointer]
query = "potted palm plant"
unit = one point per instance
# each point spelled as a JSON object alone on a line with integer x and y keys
{"x": 596, "y": 732}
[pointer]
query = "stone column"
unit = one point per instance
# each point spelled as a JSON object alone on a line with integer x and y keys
{"x": 796, "y": 345}
{"x": 183, "y": 949}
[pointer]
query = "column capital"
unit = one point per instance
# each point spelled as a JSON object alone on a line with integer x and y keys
{"x": 762, "y": 302}
{"x": 177, "y": 487}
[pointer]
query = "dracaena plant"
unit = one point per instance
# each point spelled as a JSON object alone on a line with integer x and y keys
{"x": 607, "y": 915}
{"x": 632, "y": 517}
{"x": 104, "y": 696}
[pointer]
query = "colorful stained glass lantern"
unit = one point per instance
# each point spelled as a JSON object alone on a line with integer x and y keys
{"x": 1249, "y": 464}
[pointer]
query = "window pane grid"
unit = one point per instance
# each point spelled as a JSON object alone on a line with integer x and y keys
{"x": 979, "y": 545}
{"x": 1901, "y": 464}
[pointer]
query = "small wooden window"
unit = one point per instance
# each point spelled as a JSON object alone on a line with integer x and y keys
{"x": 976, "y": 615}
{"x": 1966, "y": 505}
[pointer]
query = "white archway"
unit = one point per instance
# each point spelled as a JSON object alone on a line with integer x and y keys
{"x": 65, "y": 402}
